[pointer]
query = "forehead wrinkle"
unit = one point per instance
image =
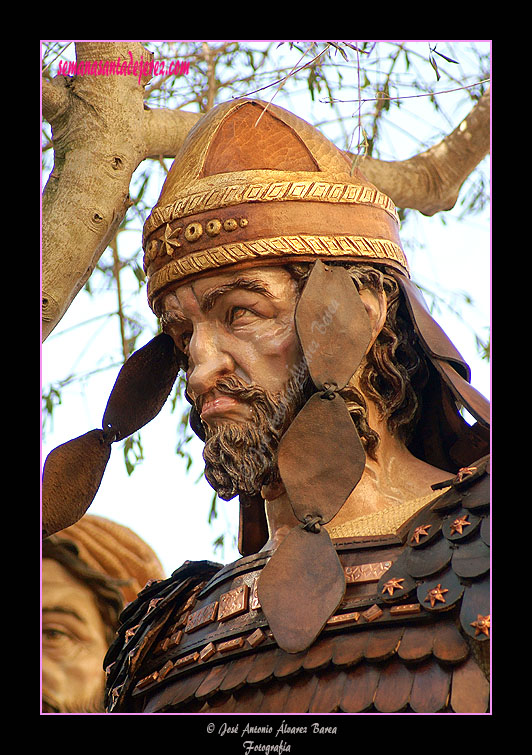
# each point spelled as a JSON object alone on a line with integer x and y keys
{"x": 173, "y": 316}
{"x": 209, "y": 298}
{"x": 167, "y": 318}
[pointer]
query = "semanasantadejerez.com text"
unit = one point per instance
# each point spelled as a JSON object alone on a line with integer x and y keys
{"x": 123, "y": 67}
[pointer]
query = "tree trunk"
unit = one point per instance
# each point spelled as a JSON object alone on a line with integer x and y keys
{"x": 101, "y": 133}
{"x": 430, "y": 182}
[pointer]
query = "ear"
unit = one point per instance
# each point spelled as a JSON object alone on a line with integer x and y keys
{"x": 376, "y": 306}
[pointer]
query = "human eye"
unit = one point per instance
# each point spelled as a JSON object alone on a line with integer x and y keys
{"x": 56, "y": 636}
{"x": 241, "y": 315}
{"x": 236, "y": 314}
{"x": 53, "y": 635}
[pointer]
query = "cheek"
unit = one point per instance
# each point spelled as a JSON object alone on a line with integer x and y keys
{"x": 286, "y": 346}
{"x": 54, "y": 679}
{"x": 276, "y": 353}
{"x": 78, "y": 676}
{"x": 91, "y": 674}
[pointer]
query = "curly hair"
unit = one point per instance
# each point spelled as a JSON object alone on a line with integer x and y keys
{"x": 395, "y": 371}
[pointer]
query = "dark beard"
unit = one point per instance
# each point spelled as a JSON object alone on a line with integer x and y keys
{"x": 240, "y": 457}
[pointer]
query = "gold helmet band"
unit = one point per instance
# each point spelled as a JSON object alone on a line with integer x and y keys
{"x": 254, "y": 184}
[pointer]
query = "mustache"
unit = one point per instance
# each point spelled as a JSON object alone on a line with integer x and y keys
{"x": 235, "y": 387}
{"x": 241, "y": 457}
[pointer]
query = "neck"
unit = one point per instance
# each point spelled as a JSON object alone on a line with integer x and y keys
{"x": 395, "y": 476}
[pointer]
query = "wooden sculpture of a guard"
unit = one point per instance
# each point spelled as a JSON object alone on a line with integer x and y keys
{"x": 329, "y": 401}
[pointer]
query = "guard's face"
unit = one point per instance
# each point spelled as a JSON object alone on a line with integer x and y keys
{"x": 245, "y": 369}
{"x": 73, "y": 644}
{"x": 237, "y": 323}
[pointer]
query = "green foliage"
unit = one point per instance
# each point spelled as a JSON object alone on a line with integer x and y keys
{"x": 50, "y": 399}
{"x": 133, "y": 453}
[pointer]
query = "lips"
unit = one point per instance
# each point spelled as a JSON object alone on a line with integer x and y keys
{"x": 224, "y": 406}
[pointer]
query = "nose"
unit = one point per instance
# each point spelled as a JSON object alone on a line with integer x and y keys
{"x": 209, "y": 360}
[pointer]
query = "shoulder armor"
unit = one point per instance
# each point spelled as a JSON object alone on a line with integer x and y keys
{"x": 141, "y": 621}
{"x": 447, "y": 552}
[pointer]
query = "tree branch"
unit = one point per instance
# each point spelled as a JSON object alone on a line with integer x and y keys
{"x": 101, "y": 132}
{"x": 98, "y": 143}
{"x": 165, "y": 131}
{"x": 430, "y": 182}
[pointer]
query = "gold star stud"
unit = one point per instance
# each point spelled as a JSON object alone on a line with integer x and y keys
{"x": 482, "y": 625}
{"x": 420, "y": 532}
{"x": 391, "y": 585}
{"x": 436, "y": 594}
{"x": 169, "y": 240}
{"x": 459, "y": 524}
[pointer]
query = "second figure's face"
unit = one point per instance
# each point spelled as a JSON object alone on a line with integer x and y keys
{"x": 73, "y": 646}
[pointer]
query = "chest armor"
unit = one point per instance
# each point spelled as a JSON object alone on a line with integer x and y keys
{"x": 411, "y": 634}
